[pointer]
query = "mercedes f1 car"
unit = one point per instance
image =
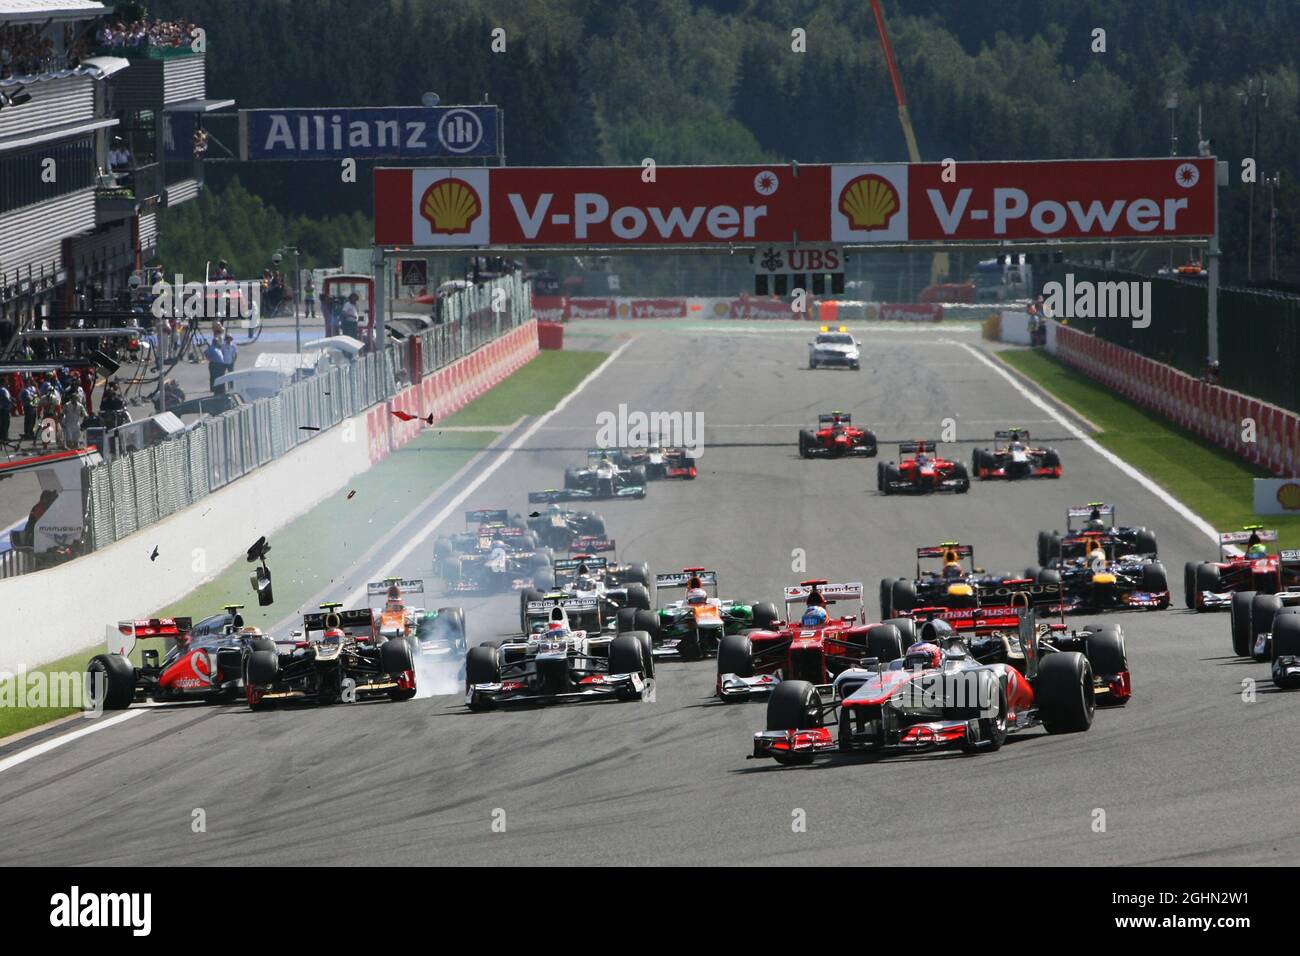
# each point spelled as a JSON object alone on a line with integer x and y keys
{"x": 1099, "y": 520}
{"x": 438, "y": 634}
{"x": 924, "y": 472}
{"x": 660, "y": 462}
{"x": 337, "y": 656}
{"x": 613, "y": 586}
{"x": 972, "y": 679}
{"x": 836, "y": 437}
{"x": 831, "y": 349}
{"x": 1209, "y": 585}
{"x": 954, "y": 585}
{"x": 814, "y": 647}
{"x": 564, "y": 530}
{"x": 693, "y": 627}
{"x": 559, "y": 663}
{"x": 1013, "y": 457}
{"x": 202, "y": 661}
{"x": 602, "y": 478}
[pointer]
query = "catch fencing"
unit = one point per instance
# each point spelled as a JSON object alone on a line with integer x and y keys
{"x": 139, "y": 489}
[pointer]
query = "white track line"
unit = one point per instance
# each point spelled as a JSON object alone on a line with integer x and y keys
{"x": 1192, "y": 518}
{"x": 451, "y": 507}
{"x": 101, "y": 723}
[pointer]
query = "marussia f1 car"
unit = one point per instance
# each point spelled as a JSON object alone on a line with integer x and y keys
{"x": 558, "y": 663}
{"x": 337, "y": 656}
{"x": 438, "y": 634}
{"x": 814, "y": 648}
{"x": 202, "y": 661}
{"x": 1266, "y": 627}
{"x": 659, "y": 461}
{"x": 972, "y": 678}
{"x": 1209, "y": 585}
{"x": 564, "y": 530}
{"x": 922, "y": 473}
{"x": 956, "y": 586}
{"x": 613, "y": 586}
{"x": 836, "y": 437}
{"x": 830, "y": 349}
{"x": 602, "y": 478}
{"x": 1093, "y": 517}
{"x": 693, "y": 627}
{"x": 1012, "y": 457}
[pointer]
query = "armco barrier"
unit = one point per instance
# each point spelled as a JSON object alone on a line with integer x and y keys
{"x": 1213, "y": 412}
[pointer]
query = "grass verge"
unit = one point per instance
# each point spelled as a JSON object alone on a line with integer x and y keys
{"x": 1211, "y": 481}
{"x": 532, "y": 390}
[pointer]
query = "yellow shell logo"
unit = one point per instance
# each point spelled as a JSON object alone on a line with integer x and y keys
{"x": 869, "y": 202}
{"x": 1288, "y": 496}
{"x": 450, "y": 206}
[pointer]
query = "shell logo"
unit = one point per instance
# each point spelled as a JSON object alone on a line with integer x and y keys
{"x": 450, "y": 206}
{"x": 1288, "y": 496}
{"x": 868, "y": 202}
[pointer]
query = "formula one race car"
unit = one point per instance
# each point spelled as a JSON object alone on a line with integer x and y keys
{"x": 836, "y": 437}
{"x": 659, "y": 461}
{"x": 565, "y": 530}
{"x": 1266, "y": 627}
{"x": 604, "y": 477}
{"x": 613, "y": 586}
{"x": 1097, "y": 519}
{"x": 830, "y": 349}
{"x": 559, "y": 663}
{"x": 814, "y": 647}
{"x": 337, "y": 656}
{"x": 439, "y": 633}
{"x": 970, "y": 680}
{"x": 922, "y": 473}
{"x": 956, "y": 586}
{"x": 693, "y": 627}
{"x": 202, "y": 661}
{"x": 1209, "y": 585}
{"x": 1104, "y": 577}
{"x": 489, "y": 530}
{"x": 1012, "y": 457}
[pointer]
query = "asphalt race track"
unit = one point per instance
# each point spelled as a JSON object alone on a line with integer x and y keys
{"x": 1187, "y": 773}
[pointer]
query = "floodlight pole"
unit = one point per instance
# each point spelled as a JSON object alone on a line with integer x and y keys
{"x": 1212, "y": 275}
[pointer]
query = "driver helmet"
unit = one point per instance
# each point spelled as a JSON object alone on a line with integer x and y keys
{"x": 1256, "y": 550}
{"x": 394, "y": 593}
{"x": 923, "y": 655}
{"x": 952, "y": 569}
{"x": 498, "y": 544}
{"x": 697, "y": 596}
{"x": 334, "y": 634}
{"x": 585, "y": 582}
{"x": 554, "y": 510}
{"x": 815, "y": 616}
{"x": 556, "y": 629}
{"x": 1017, "y": 446}
{"x": 250, "y": 631}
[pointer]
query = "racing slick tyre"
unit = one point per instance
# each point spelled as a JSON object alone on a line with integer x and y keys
{"x": 1051, "y": 460}
{"x": 442, "y": 550}
{"x": 794, "y": 705}
{"x": 765, "y": 615}
{"x": 903, "y": 596}
{"x": 636, "y": 619}
{"x": 1048, "y": 576}
{"x": 1107, "y": 654}
{"x": 884, "y": 643}
{"x": 993, "y": 729}
{"x": 1145, "y": 542}
{"x": 1207, "y": 579}
{"x": 636, "y": 475}
{"x": 1066, "y": 701}
{"x": 887, "y": 596}
{"x": 1049, "y": 547}
{"x": 1242, "y": 636}
{"x": 392, "y": 655}
{"x": 889, "y": 473}
{"x": 595, "y": 524}
{"x": 960, "y": 473}
{"x": 806, "y": 443}
{"x": 906, "y": 630}
{"x": 572, "y": 479}
{"x": 638, "y": 596}
{"x": 482, "y": 666}
{"x": 526, "y": 595}
{"x": 979, "y": 462}
{"x": 1154, "y": 578}
{"x": 1286, "y": 636}
{"x": 638, "y": 573}
{"x": 260, "y": 672}
{"x": 452, "y": 619}
{"x": 625, "y": 655}
{"x": 1263, "y": 611}
{"x": 1189, "y": 582}
{"x": 110, "y": 682}
{"x": 735, "y": 656}
{"x": 647, "y": 652}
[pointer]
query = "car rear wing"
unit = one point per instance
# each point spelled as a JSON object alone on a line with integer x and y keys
{"x": 1241, "y": 537}
{"x": 939, "y": 550}
{"x": 121, "y": 637}
{"x": 1290, "y": 557}
{"x": 1013, "y": 593}
{"x": 842, "y": 417}
{"x": 572, "y": 564}
{"x": 552, "y": 495}
{"x": 348, "y": 620}
{"x": 1076, "y": 512}
{"x": 411, "y": 586}
{"x": 1011, "y": 434}
{"x": 680, "y": 579}
{"x": 590, "y": 544}
{"x": 486, "y": 516}
{"x": 917, "y": 447}
{"x": 543, "y": 606}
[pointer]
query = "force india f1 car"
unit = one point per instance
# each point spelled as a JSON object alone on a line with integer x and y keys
{"x": 557, "y": 664}
{"x": 836, "y": 437}
{"x": 1096, "y": 518}
{"x": 203, "y": 661}
{"x": 438, "y": 634}
{"x": 921, "y": 474}
{"x": 694, "y": 627}
{"x": 1012, "y": 457}
{"x": 338, "y": 656}
{"x": 815, "y": 647}
{"x": 1266, "y": 627}
{"x": 1209, "y": 585}
{"x": 972, "y": 678}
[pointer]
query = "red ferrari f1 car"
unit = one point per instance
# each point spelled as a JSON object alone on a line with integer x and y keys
{"x": 1209, "y": 585}
{"x": 921, "y": 474}
{"x": 836, "y": 437}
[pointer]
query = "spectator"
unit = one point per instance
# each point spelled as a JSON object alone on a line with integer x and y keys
{"x": 173, "y": 394}
{"x": 6, "y": 410}
{"x": 74, "y": 416}
{"x": 309, "y": 296}
{"x": 111, "y": 407}
{"x": 223, "y": 271}
{"x": 231, "y": 353}
{"x": 216, "y": 366}
{"x": 1210, "y": 373}
{"x": 350, "y": 323}
{"x": 29, "y": 397}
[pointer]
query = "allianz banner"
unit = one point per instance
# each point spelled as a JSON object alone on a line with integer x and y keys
{"x": 385, "y": 132}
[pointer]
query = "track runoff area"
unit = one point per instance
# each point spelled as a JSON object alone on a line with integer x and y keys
{"x": 1167, "y": 780}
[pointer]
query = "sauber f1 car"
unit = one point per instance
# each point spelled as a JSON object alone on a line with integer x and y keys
{"x": 924, "y": 472}
{"x": 613, "y": 586}
{"x": 439, "y": 633}
{"x": 813, "y": 647}
{"x": 201, "y": 661}
{"x": 954, "y": 585}
{"x": 836, "y": 437}
{"x": 1094, "y": 517}
{"x": 694, "y": 627}
{"x": 338, "y": 656}
{"x": 1013, "y": 457}
{"x": 971, "y": 679}
{"x": 659, "y": 461}
{"x": 558, "y": 663}
{"x": 1209, "y": 585}
{"x": 565, "y": 530}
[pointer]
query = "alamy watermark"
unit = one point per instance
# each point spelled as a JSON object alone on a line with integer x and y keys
{"x": 637, "y": 429}
{"x": 225, "y": 300}
{"x": 1084, "y": 299}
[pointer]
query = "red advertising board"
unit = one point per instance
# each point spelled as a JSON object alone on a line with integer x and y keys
{"x": 910, "y": 312}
